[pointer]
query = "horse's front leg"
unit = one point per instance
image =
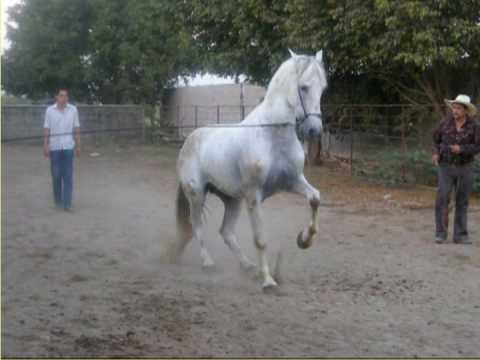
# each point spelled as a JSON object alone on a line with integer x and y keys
{"x": 254, "y": 211}
{"x": 302, "y": 187}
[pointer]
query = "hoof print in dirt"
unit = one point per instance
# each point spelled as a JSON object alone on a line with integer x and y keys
{"x": 209, "y": 268}
{"x": 250, "y": 270}
{"x": 274, "y": 290}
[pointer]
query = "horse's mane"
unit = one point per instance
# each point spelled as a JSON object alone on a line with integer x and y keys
{"x": 302, "y": 63}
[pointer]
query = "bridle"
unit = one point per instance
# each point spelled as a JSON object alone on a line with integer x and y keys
{"x": 300, "y": 121}
{"x": 305, "y": 113}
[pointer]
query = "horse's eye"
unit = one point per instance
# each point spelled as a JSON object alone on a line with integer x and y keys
{"x": 304, "y": 88}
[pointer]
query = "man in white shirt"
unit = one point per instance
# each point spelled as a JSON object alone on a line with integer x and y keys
{"x": 60, "y": 126}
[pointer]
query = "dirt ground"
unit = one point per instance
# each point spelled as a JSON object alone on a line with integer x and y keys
{"x": 91, "y": 284}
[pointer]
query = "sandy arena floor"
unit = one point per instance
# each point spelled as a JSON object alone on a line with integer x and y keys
{"x": 91, "y": 284}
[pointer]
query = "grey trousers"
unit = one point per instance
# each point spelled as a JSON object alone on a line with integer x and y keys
{"x": 460, "y": 178}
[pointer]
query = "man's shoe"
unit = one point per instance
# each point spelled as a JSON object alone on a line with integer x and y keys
{"x": 463, "y": 240}
{"x": 440, "y": 239}
{"x": 68, "y": 210}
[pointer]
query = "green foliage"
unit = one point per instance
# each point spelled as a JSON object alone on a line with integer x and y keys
{"x": 240, "y": 37}
{"x": 138, "y": 48}
{"x": 119, "y": 50}
{"x": 364, "y": 35}
{"x": 14, "y": 100}
{"x": 377, "y": 50}
{"x": 103, "y": 50}
{"x": 48, "y": 43}
{"x": 422, "y": 50}
{"x": 399, "y": 167}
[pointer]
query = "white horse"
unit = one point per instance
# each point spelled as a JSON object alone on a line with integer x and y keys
{"x": 253, "y": 160}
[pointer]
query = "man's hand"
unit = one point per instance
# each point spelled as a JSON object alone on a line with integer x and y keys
{"x": 435, "y": 159}
{"x": 46, "y": 138}
{"x": 455, "y": 149}
{"x": 46, "y": 151}
{"x": 77, "y": 140}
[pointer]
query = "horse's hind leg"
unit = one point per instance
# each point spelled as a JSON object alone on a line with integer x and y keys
{"x": 227, "y": 230}
{"x": 197, "y": 200}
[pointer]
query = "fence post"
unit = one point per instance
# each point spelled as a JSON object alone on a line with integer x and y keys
{"x": 404, "y": 141}
{"x": 388, "y": 116}
{"x": 218, "y": 114}
{"x": 351, "y": 141}
{"x": 404, "y": 149}
{"x": 196, "y": 116}
{"x": 160, "y": 115}
{"x": 144, "y": 140}
{"x": 179, "y": 127}
{"x": 242, "y": 102}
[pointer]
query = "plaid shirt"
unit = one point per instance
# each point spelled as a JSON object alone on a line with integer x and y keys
{"x": 468, "y": 137}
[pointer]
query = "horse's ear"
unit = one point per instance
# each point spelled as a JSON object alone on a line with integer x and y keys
{"x": 319, "y": 56}
{"x": 292, "y": 53}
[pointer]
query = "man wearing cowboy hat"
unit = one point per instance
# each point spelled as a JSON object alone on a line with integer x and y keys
{"x": 456, "y": 142}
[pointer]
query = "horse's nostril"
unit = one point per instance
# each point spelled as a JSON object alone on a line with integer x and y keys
{"x": 311, "y": 133}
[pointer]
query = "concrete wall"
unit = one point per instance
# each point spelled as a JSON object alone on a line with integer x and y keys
{"x": 20, "y": 121}
{"x": 190, "y": 107}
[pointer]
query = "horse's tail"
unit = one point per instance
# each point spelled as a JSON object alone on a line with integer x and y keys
{"x": 184, "y": 226}
{"x": 173, "y": 249}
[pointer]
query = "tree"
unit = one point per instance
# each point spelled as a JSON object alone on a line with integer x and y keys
{"x": 423, "y": 50}
{"x": 235, "y": 38}
{"x": 49, "y": 40}
{"x": 129, "y": 51}
{"x": 376, "y": 50}
{"x": 109, "y": 51}
{"x": 138, "y": 49}
{"x": 253, "y": 37}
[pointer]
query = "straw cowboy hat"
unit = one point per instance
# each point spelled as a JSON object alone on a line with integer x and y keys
{"x": 465, "y": 101}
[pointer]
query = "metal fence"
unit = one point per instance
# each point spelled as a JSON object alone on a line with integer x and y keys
{"x": 187, "y": 118}
{"x": 388, "y": 124}
{"x": 379, "y": 140}
{"x": 390, "y": 142}
{"x": 99, "y": 123}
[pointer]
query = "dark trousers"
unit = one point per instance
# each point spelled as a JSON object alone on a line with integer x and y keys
{"x": 61, "y": 165}
{"x": 459, "y": 177}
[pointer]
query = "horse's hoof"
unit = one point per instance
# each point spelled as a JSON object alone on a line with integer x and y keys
{"x": 207, "y": 262}
{"x": 303, "y": 244}
{"x": 208, "y": 266}
{"x": 269, "y": 283}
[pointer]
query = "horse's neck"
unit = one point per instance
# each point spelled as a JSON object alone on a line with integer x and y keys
{"x": 276, "y": 112}
{"x": 274, "y": 109}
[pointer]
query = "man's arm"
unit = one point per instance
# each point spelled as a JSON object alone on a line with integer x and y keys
{"x": 437, "y": 140}
{"x": 472, "y": 149}
{"x": 46, "y": 135}
{"x": 77, "y": 140}
{"x": 76, "y": 126}
{"x": 46, "y": 138}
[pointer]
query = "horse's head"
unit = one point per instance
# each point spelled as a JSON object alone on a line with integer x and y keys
{"x": 308, "y": 81}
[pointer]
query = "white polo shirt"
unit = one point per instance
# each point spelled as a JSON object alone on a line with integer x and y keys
{"x": 61, "y": 122}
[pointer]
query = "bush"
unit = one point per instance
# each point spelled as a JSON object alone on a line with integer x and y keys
{"x": 397, "y": 167}
{"x": 411, "y": 167}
